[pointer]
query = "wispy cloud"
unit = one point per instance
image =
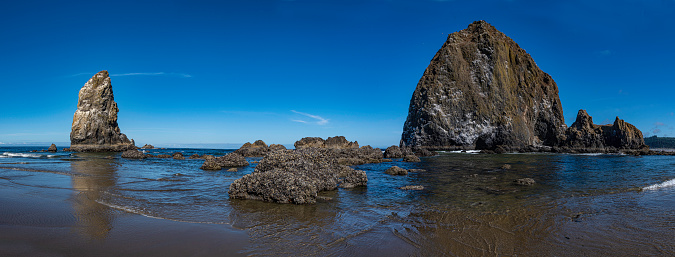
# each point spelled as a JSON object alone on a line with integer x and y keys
{"x": 182, "y": 75}
{"x": 80, "y": 74}
{"x": 318, "y": 119}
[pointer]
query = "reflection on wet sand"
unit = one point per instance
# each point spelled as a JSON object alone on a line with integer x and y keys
{"x": 91, "y": 177}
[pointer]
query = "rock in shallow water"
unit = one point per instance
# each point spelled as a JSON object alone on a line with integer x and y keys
{"x": 133, "y": 154}
{"x": 288, "y": 176}
{"x": 412, "y": 188}
{"x": 411, "y": 158}
{"x": 524, "y": 182}
{"x": 395, "y": 170}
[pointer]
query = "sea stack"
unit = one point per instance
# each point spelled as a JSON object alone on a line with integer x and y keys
{"x": 481, "y": 91}
{"x": 95, "y": 126}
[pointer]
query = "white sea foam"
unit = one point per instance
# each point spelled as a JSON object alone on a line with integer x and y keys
{"x": 25, "y": 155}
{"x": 669, "y": 183}
{"x": 590, "y": 154}
{"x": 467, "y": 151}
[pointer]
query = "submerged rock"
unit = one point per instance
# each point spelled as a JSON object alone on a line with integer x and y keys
{"x": 133, "y": 154}
{"x": 412, "y": 188}
{"x": 95, "y": 127}
{"x": 289, "y": 176}
{"x": 482, "y": 90}
{"x": 52, "y": 148}
{"x": 524, "y": 182}
{"x": 195, "y": 156}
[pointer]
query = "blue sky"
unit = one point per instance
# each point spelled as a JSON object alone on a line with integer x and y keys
{"x": 236, "y": 71}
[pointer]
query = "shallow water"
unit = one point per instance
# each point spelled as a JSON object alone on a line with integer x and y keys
{"x": 580, "y": 205}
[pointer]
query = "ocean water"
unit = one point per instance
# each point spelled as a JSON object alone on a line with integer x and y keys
{"x": 586, "y": 204}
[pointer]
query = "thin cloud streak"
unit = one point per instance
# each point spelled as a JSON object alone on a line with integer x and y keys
{"x": 319, "y": 120}
{"x": 182, "y": 75}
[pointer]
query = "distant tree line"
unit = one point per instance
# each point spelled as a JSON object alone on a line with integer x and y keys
{"x": 660, "y": 142}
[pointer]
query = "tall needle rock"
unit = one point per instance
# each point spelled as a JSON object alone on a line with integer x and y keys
{"x": 95, "y": 126}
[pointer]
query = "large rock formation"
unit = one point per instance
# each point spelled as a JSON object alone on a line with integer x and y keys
{"x": 585, "y": 135}
{"x": 480, "y": 91}
{"x": 95, "y": 126}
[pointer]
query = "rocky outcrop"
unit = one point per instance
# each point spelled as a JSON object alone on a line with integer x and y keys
{"x": 257, "y": 149}
{"x": 482, "y": 90}
{"x": 178, "y": 156}
{"x": 133, "y": 154}
{"x": 584, "y": 135}
{"x": 232, "y": 160}
{"x": 337, "y": 142}
{"x": 52, "y": 148}
{"x": 95, "y": 127}
{"x": 147, "y": 146}
{"x": 295, "y": 176}
{"x": 411, "y": 158}
{"x": 395, "y": 170}
{"x": 211, "y": 165}
{"x": 229, "y": 160}
{"x": 393, "y": 152}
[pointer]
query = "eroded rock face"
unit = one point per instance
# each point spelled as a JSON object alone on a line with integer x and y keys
{"x": 583, "y": 134}
{"x": 95, "y": 125}
{"x": 295, "y": 176}
{"x": 480, "y": 91}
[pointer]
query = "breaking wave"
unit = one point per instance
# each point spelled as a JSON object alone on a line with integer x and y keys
{"x": 668, "y": 183}
{"x": 26, "y": 155}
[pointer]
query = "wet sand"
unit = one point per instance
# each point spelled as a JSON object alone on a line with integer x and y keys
{"x": 41, "y": 221}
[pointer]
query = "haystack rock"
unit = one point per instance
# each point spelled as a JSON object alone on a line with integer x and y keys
{"x": 95, "y": 126}
{"x": 480, "y": 91}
